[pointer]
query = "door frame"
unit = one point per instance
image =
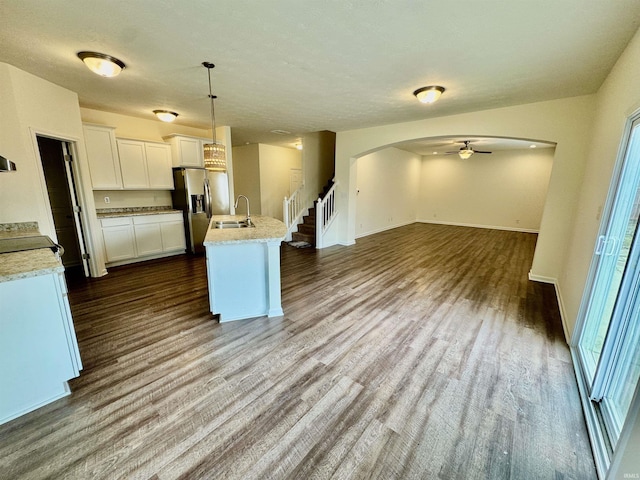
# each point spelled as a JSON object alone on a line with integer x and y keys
{"x": 78, "y": 177}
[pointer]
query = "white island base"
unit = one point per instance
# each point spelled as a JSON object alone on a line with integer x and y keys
{"x": 243, "y": 269}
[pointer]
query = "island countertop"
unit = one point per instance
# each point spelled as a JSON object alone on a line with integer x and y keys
{"x": 28, "y": 263}
{"x": 266, "y": 229}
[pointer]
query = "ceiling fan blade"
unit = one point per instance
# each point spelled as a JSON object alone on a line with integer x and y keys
{"x": 480, "y": 151}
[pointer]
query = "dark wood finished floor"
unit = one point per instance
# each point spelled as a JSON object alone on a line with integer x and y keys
{"x": 419, "y": 353}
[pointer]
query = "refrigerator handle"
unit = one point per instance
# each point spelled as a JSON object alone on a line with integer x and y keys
{"x": 207, "y": 198}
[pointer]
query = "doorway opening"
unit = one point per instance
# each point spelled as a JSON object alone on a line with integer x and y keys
{"x": 60, "y": 178}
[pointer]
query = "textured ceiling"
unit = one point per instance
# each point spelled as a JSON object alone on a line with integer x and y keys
{"x": 310, "y": 65}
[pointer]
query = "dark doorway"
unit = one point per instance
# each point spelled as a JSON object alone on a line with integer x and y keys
{"x": 58, "y": 174}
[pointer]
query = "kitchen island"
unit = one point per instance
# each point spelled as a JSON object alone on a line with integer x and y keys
{"x": 243, "y": 268}
{"x": 38, "y": 346}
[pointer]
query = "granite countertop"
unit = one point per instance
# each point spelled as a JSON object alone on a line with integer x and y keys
{"x": 29, "y": 263}
{"x": 133, "y": 211}
{"x": 266, "y": 229}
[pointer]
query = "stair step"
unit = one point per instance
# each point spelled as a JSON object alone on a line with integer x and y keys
{"x": 303, "y": 237}
{"x": 307, "y": 220}
{"x": 309, "y": 229}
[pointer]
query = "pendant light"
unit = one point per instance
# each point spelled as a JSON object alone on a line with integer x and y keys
{"x": 215, "y": 157}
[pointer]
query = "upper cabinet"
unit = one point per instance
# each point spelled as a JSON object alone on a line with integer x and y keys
{"x": 159, "y": 170}
{"x": 121, "y": 163}
{"x": 186, "y": 151}
{"x": 102, "y": 155}
{"x": 145, "y": 164}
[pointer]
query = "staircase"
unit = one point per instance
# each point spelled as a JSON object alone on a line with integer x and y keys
{"x": 307, "y": 229}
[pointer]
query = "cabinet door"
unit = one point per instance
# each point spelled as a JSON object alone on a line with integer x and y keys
{"x": 159, "y": 165}
{"x": 190, "y": 152}
{"x": 133, "y": 164}
{"x": 102, "y": 155}
{"x": 148, "y": 239}
{"x": 119, "y": 243}
{"x": 173, "y": 236}
{"x": 35, "y": 360}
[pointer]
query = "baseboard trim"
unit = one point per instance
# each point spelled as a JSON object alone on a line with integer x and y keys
{"x": 474, "y": 225}
{"x": 384, "y": 229}
{"x": 556, "y": 286}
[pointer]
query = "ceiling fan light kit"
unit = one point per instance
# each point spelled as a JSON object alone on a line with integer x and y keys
{"x": 466, "y": 151}
{"x": 102, "y": 64}
{"x": 166, "y": 115}
{"x": 429, "y": 94}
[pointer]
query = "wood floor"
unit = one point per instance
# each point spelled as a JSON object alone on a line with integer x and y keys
{"x": 419, "y": 353}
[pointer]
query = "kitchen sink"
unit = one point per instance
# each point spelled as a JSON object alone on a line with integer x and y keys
{"x": 232, "y": 224}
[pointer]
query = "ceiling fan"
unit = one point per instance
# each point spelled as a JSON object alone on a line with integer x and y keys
{"x": 466, "y": 151}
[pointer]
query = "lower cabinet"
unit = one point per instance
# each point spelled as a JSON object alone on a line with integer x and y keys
{"x": 38, "y": 346}
{"x": 136, "y": 238}
{"x": 119, "y": 242}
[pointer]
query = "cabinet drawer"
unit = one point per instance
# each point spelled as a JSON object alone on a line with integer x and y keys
{"x": 159, "y": 218}
{"x": 115, "y": 221}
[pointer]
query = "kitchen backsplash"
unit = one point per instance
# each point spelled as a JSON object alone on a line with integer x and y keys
{"x": 131, "y": 198}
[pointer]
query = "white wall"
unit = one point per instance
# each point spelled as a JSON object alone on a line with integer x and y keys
{"x": 275, "y": 171}
{"x": 388, "y": 185}
{"x": 33, "y": 106}
{"x": 566, "y": 122}
{"x": 617, "y": 99}
{"x": 318, "y": 161}
{"x": 505, "y": 190}
{"x": 150, "y": 129}
{"x": 247, "y": 176}
{"x": 132, "y": 198}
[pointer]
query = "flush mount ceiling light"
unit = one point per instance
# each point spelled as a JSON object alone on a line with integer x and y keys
{"x": 101, "y": 64}
{"x": 429, "y": 94}
{"x": 215, "y": 157}
{"x": 166, "y": 115}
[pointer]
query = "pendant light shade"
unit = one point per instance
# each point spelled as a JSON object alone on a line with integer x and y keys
{"x": 101, "y": 64}
{"x": 215, "y": 155}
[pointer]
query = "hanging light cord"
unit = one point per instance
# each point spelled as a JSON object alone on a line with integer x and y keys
{"x": 211, "y": 97}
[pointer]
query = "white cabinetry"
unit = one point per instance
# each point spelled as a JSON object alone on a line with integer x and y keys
{"x": 186, "y": 151}
{"x": 172, "y": 232}
{"x": 38, "y": 346}
{"x": 119, "y": 243}
{"x": 159, "y": 165}
{"x": 102, "y": 155}
{"x": 141, "y": 237}
{"x": 145, "y": 164}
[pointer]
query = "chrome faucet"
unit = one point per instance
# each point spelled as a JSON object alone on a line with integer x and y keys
{"x": 249, "y": 222}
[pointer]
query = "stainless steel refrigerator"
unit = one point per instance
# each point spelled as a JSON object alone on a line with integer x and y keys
{"x": 199, "y": 193}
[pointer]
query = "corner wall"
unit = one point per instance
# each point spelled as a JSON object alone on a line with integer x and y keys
{"x": 387, "y": 192}
{"x": 504, "y": 190}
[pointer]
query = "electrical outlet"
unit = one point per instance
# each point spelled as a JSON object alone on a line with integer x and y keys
{"x": 107, "y": 200}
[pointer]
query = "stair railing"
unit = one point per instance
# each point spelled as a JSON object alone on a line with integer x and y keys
{"x": 325, "y": 213}
{"x": 292, "y": 210}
